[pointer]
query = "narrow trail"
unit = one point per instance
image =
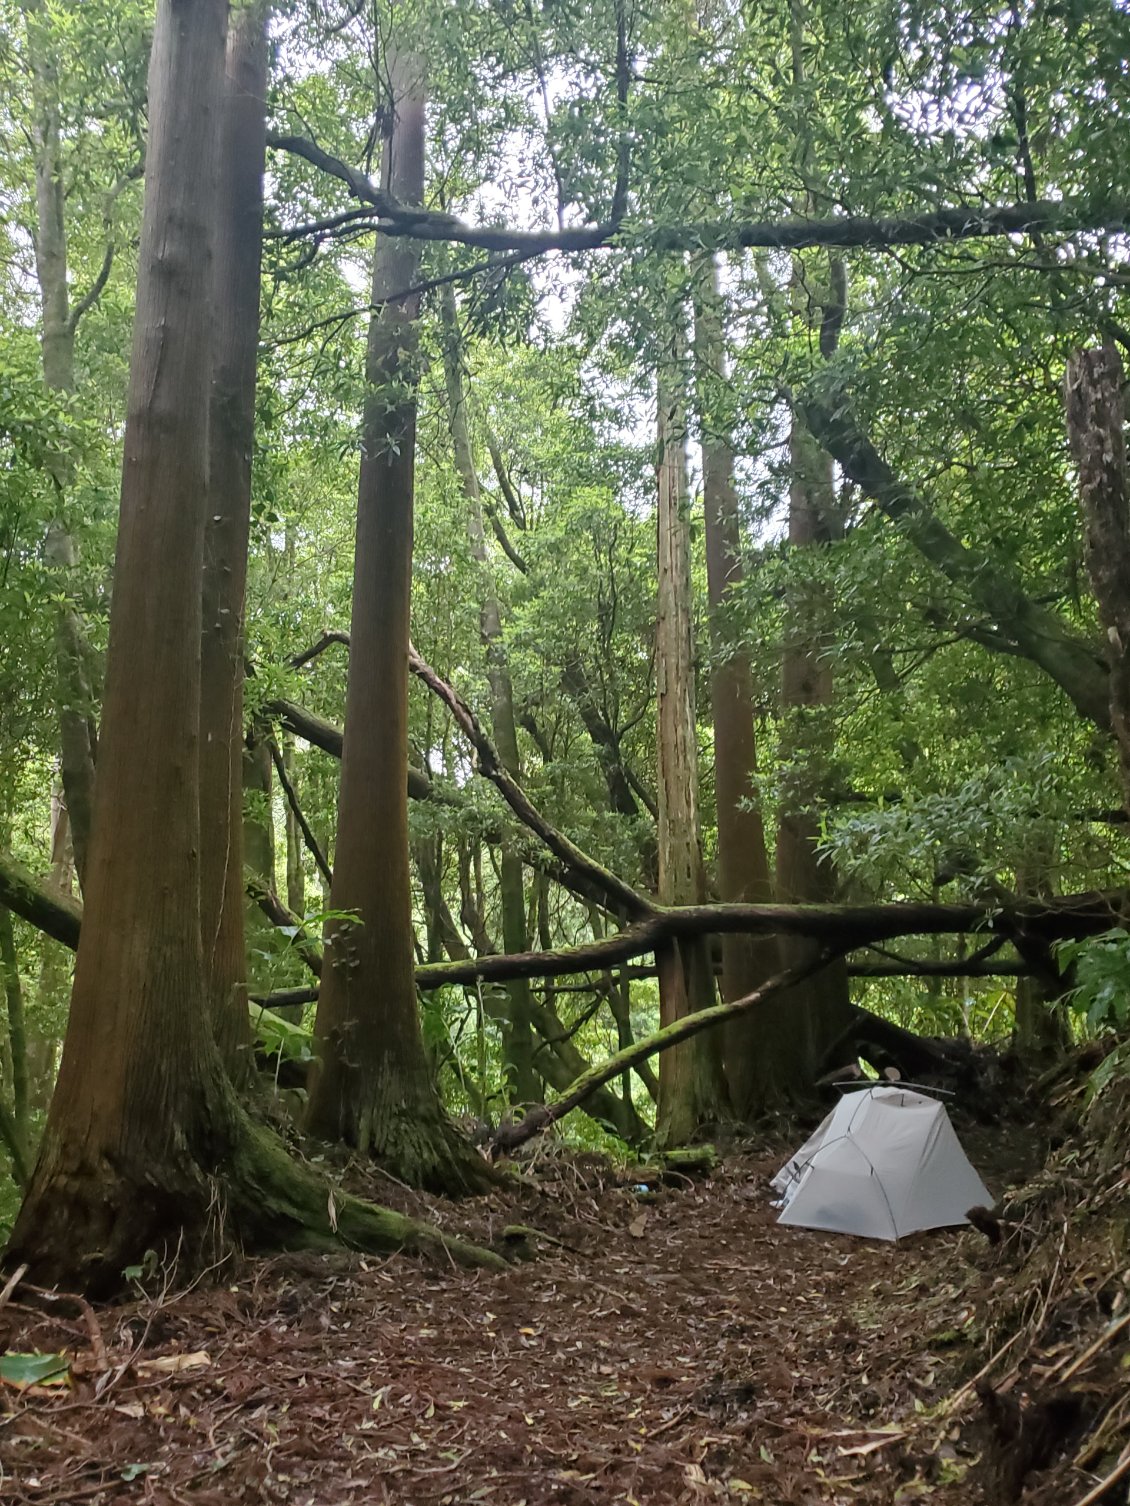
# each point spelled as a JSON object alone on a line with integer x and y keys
{"x": 684, "y": 1351}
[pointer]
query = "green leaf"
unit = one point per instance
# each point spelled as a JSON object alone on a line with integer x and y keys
{"x": 24, "y": 1370}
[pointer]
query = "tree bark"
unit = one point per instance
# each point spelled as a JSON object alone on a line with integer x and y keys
{"x": 752, "y": 1043}
{"x": 235, "y": 302}
{"x": 806, "y": 751}
{"x": 145, "y": 1145}
{"x": 142, "y": 1107}
{"x": 691, "y": 1087}
{"x": 372, "y": 1085}
{"x": 522, "y": 1080}
{"x": 1096, "y": 430}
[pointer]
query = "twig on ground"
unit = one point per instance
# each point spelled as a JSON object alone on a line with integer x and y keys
{"x": 12, "y": 1282}
{"x": 1120, "y": 1470}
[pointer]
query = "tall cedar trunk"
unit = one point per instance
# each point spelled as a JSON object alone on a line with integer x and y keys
{"x": 74, "y": 690}
{"x": 691, "y": 1087}
{"x": 145, "y": 1145}
{"x": 821, "y": 1005}
{"x": 372, "y": 1085}
{"x": 1096, "y": 431}
{"x": 755, "y": 1043}
{"x": 235, "y": 301}
{"x": 142, "y": 1109}
{"x": 295, "y": 879}
{"x": 522, "y": 1081}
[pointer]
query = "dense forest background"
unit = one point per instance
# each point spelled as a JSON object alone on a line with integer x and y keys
{"x": 789, "y": 288}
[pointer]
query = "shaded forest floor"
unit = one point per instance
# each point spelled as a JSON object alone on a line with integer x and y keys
{"x": 685, "y": 1350}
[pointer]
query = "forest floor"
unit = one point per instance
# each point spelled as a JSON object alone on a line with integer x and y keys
{"x": 684, "y": 1350}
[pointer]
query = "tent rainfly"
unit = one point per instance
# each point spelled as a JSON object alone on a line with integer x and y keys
{"x": 886, "y": 1162}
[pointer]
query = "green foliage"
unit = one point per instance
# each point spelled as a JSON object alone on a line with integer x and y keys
{"x": 1100, "y": 967}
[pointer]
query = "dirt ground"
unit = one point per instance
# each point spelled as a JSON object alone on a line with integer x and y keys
{"x": 681, "y": 1350}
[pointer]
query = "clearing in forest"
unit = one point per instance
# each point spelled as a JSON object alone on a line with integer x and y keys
{"x": 681, "y": 1350}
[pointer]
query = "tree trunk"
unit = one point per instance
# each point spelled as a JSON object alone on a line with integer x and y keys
{"x": 54, "y": 968}
{"x": 16, "y": 1046}
{"x": 807, "y": 745}
{"x": 371, "y": 1085}
{"x": 74, "y": 690}
{"x": 1096, "y": 430}
{"x": 295, "y": 877}
{"x": 522, "y": 1081}
{"x": 143, "y": 1113}
{"x": 691, "y": 1087}
{"x": 235, "y": 301}
{"x": 145, "y": 1145}
{"x": 754, "y": 1045}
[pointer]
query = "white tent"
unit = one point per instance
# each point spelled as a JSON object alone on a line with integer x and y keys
{"x": 884, "y": 1163}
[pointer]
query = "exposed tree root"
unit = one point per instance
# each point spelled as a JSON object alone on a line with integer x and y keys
{"x": 408, "y": 1134}
{"x": 87, "y": 1220}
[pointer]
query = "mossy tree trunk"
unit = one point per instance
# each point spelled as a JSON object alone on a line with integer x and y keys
{"x": 146, "y": 1146}
{"x": 372, "y": 1085}
{"x": 143, "y": 1114}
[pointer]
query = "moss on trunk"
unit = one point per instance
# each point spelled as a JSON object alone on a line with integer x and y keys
{"x": 229, "y": 1186}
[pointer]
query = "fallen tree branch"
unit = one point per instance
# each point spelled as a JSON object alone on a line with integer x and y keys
{"x": 964, "y": 222}
{"x": 842, "y": 927}
{"x": 285, "y": 996}
{"x": 322, "y": 734}
{"x": 845, "y": 927}
{"x": 1036, "y": 633}
{"x": 327, "y": 639}
{"x": 617, "y": 894}
{"x": 510, "y": 1137}
{"x": 296, "y": 810}
{"x": 56, "y": 915}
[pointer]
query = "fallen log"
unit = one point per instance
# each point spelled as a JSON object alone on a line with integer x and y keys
{"x": 841, "y": 927}
{"x": 844, "y": 927}
{"x": 616, "y": 894}
{"x": 885, "y": 1044}
{"x": 511, "y": 1136}
{"x": 55, "y": 914}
